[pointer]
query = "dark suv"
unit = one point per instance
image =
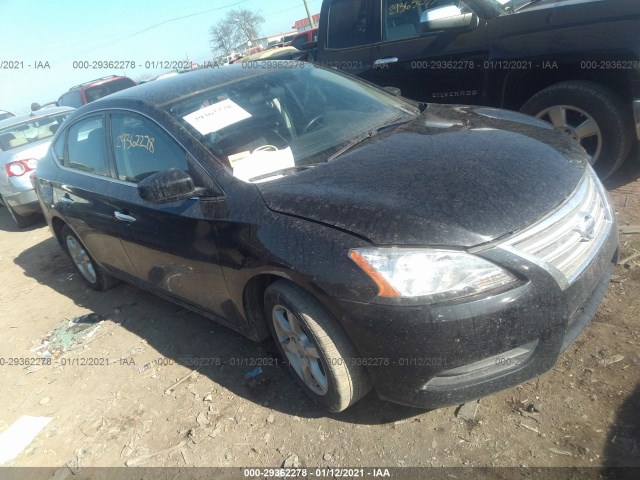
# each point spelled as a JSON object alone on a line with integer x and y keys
{"x": 572, "y": 63}
{"x": 88, "y": 92}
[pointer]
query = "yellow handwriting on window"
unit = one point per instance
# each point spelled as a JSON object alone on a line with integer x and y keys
{"x": 401, "y": 7}
{"x": 127, "y": 141}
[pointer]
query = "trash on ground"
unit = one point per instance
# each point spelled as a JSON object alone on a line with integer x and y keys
{"x": 170, "y": 389}
{"x": 253, "y": 373}
{"x": 560, "y": 452}
{"x": 292, "y": 461}
{"x": 65, "y": 337}
{"x": 467, "y": 411}
{"x": 19, "y": 435}
{"x": 611, "y": 360}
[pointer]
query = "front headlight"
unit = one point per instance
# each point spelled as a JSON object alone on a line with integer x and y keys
{"x": 438, "y": 274}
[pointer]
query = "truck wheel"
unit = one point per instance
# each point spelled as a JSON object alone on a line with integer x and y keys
{"x": 593, "y": 115}
{"x": 92, "y": 274}
{"x": 317, "y": 350}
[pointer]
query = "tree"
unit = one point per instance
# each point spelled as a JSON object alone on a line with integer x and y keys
{"x": 236, "y": 27}
{"x": 223, "y": 37}
{"x": 247, "y": 23}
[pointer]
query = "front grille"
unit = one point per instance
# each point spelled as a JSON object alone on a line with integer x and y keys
{"x": 566, "y": 241}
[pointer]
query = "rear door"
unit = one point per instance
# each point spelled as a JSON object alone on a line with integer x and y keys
{"x": 84, "y": 194}
{"x": 172, "y": 245}
{"x": 443, "y": 65}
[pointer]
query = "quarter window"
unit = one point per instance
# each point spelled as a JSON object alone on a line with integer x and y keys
{"x": 141, "y": 148}
{"x": 86, "y": 146}
{"x": 348, "y": 23}
{"x": 58, "y": 148}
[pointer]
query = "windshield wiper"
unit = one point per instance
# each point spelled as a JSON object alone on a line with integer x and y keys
{"x": 365, "y": 136}
{"x": 283, "y": 171}
{"x": 528, "y": 4}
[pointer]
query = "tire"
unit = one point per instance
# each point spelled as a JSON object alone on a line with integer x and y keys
{"x": 346, "y": 381}
{"x": 583, "y": 101}
{"x": 20, "y": 220}
{"x": 90, "y": 272}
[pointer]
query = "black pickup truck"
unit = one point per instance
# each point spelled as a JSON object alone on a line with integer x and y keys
{"x": 575, "y": 63}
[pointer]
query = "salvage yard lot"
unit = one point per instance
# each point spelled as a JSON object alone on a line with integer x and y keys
{"x": 111, "y": 399}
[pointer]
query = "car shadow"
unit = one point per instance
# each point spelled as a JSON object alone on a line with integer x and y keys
{"x": 621, "y": 456}
{"x": 8, "y": 225}
{"x": 184, "y": 337}
{"x": 628, "y": 173}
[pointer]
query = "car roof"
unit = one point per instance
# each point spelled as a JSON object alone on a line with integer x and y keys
{"x": 174, "y": 88}
{"x": 96, "y": 82}
{"x": 25, "y": 117}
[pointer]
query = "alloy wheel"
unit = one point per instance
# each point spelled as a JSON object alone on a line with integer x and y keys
{"x": 577, "y": 124}
{"x": 81, "y": 259}
{"x": 301, "y": 353}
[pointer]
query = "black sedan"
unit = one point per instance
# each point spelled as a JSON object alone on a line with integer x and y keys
{"x": 435, "y": 253}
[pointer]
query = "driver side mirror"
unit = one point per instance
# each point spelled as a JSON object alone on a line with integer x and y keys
{"x": 167, "y": 186}
{"x": 447, "y": 18}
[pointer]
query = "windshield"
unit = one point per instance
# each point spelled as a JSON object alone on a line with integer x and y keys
{"x": 282, "y": 119}
{"x": 30, "y": 131}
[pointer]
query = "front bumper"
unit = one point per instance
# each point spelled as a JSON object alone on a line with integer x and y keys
{"x": 433, "y": 356}
{"x": 23, "y": 202}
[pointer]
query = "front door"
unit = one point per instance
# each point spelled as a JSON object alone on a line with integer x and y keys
{"x": 173, "y": 245}
{"x": 427, "y": 61}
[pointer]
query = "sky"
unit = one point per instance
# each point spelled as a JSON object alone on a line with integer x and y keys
{"x": 35, "y": 33}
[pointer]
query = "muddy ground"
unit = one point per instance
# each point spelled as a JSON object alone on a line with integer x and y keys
{"x": 123, "y": 413}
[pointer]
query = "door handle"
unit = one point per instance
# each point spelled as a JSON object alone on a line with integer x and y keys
{"x": 123, "y": 217}
{"x": 385, "y": 61}
{"x": 66, "y": 199}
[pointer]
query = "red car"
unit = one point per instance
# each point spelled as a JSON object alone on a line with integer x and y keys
{"x": 88, "y": 92}
{"x": 305, "y": 37}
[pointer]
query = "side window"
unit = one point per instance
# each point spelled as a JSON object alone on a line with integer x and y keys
{"x": 58, "y": 148}
{"x": 85, "y": 146}
{"x": 141, "y": 148}
{"x": 401, "y": 19}
{"x": 348, "y": 23}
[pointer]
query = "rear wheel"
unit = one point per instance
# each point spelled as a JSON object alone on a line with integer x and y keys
{"x": 92, "y": 274}
{"x": 320, "y": 355}
{"x": 591, "y": 114}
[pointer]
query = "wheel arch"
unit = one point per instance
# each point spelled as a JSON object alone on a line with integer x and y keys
{"x": 253, "y": 300}
{"x": 520, "y": 85}
{"x": 57, "y": 225}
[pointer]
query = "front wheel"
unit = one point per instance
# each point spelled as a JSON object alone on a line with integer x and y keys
{"x": 320, "y": 355}
{"x": 591, "y": 114}
{"x": 92, "y": 274}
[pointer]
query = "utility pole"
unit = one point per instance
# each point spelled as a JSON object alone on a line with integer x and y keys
{"x": 311, "y": 22}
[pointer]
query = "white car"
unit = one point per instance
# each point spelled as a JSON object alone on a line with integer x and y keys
{"x": 4, "y": 114}
{"x": 25, "y": 139}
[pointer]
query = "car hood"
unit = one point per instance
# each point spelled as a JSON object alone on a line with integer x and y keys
{"x": 455, "y": 175}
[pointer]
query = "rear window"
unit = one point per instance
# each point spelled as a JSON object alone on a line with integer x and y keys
{"x": 31, "y": 131}
{"x": 99, "y": 91}
{"x": 70, "y": 99}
